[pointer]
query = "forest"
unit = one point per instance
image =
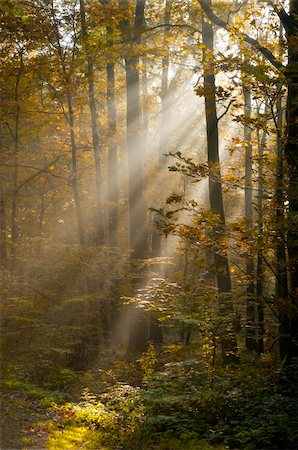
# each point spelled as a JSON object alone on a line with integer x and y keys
{"x": 148, "y": 224}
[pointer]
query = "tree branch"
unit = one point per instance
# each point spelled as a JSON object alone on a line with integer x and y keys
{"x": 253, "y": 42}
{"x": 226, "y": 110}
{"x": 284, "y": 17}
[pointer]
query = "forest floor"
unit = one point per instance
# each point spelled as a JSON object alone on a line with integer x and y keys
{"x": 170, "y": 403}
{"x": 23, "y": 421}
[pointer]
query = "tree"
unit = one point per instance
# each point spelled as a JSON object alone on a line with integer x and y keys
{"x": 290, "y": 23}
{"x": 94, "y": 125}
{"x": 66, "y": 58}
{"x": 250, "y": 336}
{"x": 228, "y": 340}
{"x": 138, "y": 228}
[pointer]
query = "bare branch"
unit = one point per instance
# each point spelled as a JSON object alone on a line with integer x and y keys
{"x": 226, "y": 109}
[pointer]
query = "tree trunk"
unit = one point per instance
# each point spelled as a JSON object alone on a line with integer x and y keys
{"x": 137, "y": 208}
{"x": 3, "y": 228}
{"x": 165, "y": 120}
{"x": 113, "y": 188}
{"x": 281, "y": 287}
{"x": 290, "y": 24}
{"x": 281, "y": 284}
{"x": 138, "y": 228}
{"x": 40, "y": 223}
{"x": 145, "y": 108}
{"x": 74, "y": 181}
{"x": 250, "y": 342}
{"x": 14, "y": 219}
{"x": 291, "y": 312}
{"x": 95, "y": 134}
{"x": 259, "y": 274}
{"x": 228, "y": 339}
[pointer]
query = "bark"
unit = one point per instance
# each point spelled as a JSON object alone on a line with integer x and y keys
{"x": 40, "y": 223}
{"x": 74, "y": 160}
{"x": 228, "y": 339}
{"x": 95, "y": 133}
{"x": 281, "y": 286}
{"x": 259, "y": 271}
{"x": 291, "y": 312}
{"x": 290, "y": 23}
{"x": 14, "y": 207}
{"x": 71, "y": 121}
{"x": 3, "y": 228}
{"x": 251, "y": 343}
{"x": 165, "y": 120}
{"x": 113, "y": 188}
{"x": 138, "y": 228}
{"x": 145, "y": 95}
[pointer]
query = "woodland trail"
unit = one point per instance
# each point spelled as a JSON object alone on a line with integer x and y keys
{"x": 23, "y": 423}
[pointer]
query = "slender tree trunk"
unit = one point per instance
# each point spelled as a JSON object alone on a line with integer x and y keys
{"x": 291, "y": 313}
{"x": 40, "y": 223}
{"x": 165, "y": 120}
{"x": 113, "y": 188}
{"x": 259, "y": 271}
{"x": 71, "y": 121}
{"x": 74, "y": 160}
{"x": 14, "y": 219}
{"x": 290, "y": 24}
{"x": 281, "y": 286}
{"x": 163, "y": 141}
{"x": 145, "y": 96}
{"x": 251, "y": 343}
{"x": 95, "y": 134}
{"x": 228, "y": 339}
{"x": 3, "y": 228}
{"x": 138, "y": 228}
{"x": 137, "y": 208}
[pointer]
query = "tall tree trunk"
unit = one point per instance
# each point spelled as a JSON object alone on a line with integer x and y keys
{"x": 290, "y": 23}
{"x": 291, "y": 313}
{"x": 113, "y": 188}
{"x": 138, "y": 228}
{"x": 281, "y": 287}
{"x": 259, "y": 271}
{"x": 40, "y": 223}
{"x": 14, "y": 219}
{"x": 145, "y": 96}
{"x": 137, "y": 208}
{"x": 94, "y": 125}
{"x": 3, "y": 227}
{"x": 281, "y": 284}
{"x": 74, "y": 160}
{"x": 71, "y": 121}
{"x": 163, "y": 147}
{"x": 165, "y": 120}
{"x": 228, "y": 339}
{"x": 251, "y": 343}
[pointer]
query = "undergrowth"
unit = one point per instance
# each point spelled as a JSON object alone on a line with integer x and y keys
{"x": 181, "y": 404}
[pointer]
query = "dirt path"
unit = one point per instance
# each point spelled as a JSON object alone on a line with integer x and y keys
{"x": 23, "y": 422}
